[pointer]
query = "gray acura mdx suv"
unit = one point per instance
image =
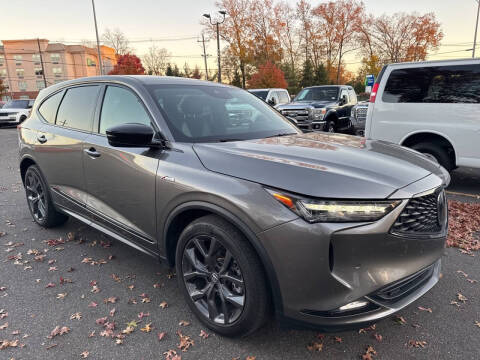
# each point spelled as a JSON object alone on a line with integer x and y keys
{"x": 326, "y": 230}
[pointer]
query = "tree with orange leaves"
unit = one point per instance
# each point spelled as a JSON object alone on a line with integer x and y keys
{"x": 339, "y": 22}
{"x": 405, "y": 37}
{"x": 128, "y": 64}
{"x": 268, "y": 76}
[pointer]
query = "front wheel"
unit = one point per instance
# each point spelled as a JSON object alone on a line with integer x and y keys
{"x": 330, "y": 126}
{"x": 221, "y": 277}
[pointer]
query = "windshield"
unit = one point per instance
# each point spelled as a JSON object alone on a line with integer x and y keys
{"x": 324, "y": 93}
{"x": 16, "y": 104}
{"x": 262, "y": 94}
{"x": 204, "y": 113}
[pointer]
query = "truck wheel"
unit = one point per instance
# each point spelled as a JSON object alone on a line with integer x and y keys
{"x": 221, "y": 277}
{"x": 330, "y": 126}
{"x": 437, "y": 152}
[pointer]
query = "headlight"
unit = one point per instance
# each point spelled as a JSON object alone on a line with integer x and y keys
{"x": 317, "y": 114}
{"x": 313, "y": 210}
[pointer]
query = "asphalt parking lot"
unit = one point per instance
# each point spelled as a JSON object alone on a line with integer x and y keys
{"x": 77, "y": 282}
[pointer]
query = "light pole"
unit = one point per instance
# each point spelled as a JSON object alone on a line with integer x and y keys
{"x": 476, "y": 28}
{"x": 217, "y": 23}
{"x": 98, "y": 41}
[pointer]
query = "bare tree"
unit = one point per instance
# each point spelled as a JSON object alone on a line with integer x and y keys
{"x": 117, "y": 40}
{"x": 156, "y": 60}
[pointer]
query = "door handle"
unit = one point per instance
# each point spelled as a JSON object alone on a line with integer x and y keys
{"x": 92, "y": 152}
{"x": 42, "y": 139}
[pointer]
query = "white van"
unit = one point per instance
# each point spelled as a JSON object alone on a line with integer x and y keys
{"x": 432, "y": 107}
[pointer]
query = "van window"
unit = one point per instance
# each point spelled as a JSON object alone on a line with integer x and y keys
{"x": 352, "y": 96}
{"x": 436, "y": 84}
{"x": 283, "y": 97}
{"x": 49, "y": 107}
{"x": 76, "y": 109}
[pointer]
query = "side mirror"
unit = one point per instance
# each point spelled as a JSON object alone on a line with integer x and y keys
{"x": 130, "y": 135}
{"x": 344, "y": 100}
{"x": 272, "y": 101}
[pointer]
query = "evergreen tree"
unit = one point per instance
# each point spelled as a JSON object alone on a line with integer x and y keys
{"x": 307, "y": 75}
{"x": 291, "y": 77}
{"x": 321, "y": 75}
{"x": 169, "y": 71}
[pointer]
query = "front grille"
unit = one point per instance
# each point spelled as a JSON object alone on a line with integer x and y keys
{"x": 301, "y": 115}
{"x": 404, "y": 287}
{"x": 422, "y": 215}
{"x": 4, "y": 114}
{"x": 361, "y": 113}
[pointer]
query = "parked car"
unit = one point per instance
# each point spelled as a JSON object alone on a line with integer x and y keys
{"x": 322, "y": 108}
{"x": 15, "y": 111}
{"x": 432, "y": 107}
{"x": 358, "y": 117}
{"x": 273, "y": 97}
{"x": 2, "y": 103}
{"x": 328, "y": 230}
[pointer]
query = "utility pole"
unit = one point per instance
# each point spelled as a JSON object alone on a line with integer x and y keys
{"x": 476, "y": 28}
{"x": 204, "y": 55}
{"x": 98, "y": 41}
{"x": 41, "y": 62}
{"x": 217, "y": 23}
{"x": 9, "y": 80}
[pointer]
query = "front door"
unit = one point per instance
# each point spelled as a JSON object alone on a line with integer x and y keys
{"x": 121, "y": 181}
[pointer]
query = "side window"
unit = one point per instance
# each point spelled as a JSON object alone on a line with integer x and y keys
{"x": 121, "y": 106}
{"x": 49, "y": 107}
{"x": 436, "y": 84}
{"x": 77, "y": 107}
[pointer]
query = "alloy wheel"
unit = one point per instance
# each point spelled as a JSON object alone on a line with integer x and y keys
{"x": 213, "y": 279}
{"x": 36, "y": 196}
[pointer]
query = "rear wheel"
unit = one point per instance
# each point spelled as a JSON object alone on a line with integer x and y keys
{"x": 39, "y": 200}
{"x": 221, "y": 277}
{"x": 439, "y": 153}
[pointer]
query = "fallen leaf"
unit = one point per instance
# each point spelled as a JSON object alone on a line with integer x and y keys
{"x": 417, "y": 344}
{"x": 111, "y": 300}
{"x": 461, "y": 298}
{"x": 4, "y": 326}
{"x": 477, "y": 323}
{"x": 84, "y": 354}
{"x": 315, "y": 346}
{"x": 161, "y": 335}
{"x": 183, "y": 323}
{"x": 400, "y": 320}
{"x": 378, "y": 337}
{"x": 185, "y": 341}
{"x": 163, "y": 304}
{"x": 93, "y": 304}
{"x": 338, "y": 339}
{"x": 147, "y": 328}
{"x": 369, "y": 352}
{"x": 76, "y": 316}
{"x": 421, "y": 308}
{"x": 112, "y": 312}
{"x": 203, "y": 334}
{"x": 61, "y": 296}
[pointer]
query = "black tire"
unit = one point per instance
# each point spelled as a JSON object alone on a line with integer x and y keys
{"x": 40, "y": 201}
{"x": 436, "y": 151}
{"x": 330, "y": 126}
{"x": 244, "y": 261}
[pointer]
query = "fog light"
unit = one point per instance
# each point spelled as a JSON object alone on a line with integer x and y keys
{"x": 353, "y": 305}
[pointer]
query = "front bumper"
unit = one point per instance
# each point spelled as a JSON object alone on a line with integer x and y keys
{"x": 10, "y": 119}
{"x": 357, "y": 126}
{"x": 322, "y": 267}
{"x": 309, "y": 126}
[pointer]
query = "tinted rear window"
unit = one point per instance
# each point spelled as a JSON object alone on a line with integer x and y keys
{"x": 438, "y": 84}
{"x": 76, "y": 109}
{"x": 49, "y": 107}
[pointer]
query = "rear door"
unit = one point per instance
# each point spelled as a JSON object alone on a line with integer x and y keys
{"x": 121, "y": 181}
{"x": 68, "y": 117}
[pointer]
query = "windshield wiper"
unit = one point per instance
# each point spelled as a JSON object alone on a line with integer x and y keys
{"x": 281, "y": 134}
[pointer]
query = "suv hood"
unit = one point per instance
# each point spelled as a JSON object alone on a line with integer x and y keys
{"x": 304, "y": 104}
{"x": 320, "y": 164}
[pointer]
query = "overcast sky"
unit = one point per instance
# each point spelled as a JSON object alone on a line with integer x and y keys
{"x": 71, "y": 20}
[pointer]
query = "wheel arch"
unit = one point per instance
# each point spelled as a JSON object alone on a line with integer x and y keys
{"x": 25, "y": 163}
{"x": 433, "y": 137}
{"x": 185, "y": 213}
